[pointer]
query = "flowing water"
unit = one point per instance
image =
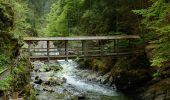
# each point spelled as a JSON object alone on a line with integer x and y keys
{"x": 75, "y": 88}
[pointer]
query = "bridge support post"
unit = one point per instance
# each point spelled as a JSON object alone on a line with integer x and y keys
{"x": 115, "y": 46}
{"x": 5, "y": 95}
{"x": 48, "y": 50}
{"x": 101, "y": 47}
{"x": 29, "y": 49}
{"x": 130, "y": 44}
{"x": 66, "y": 49}
{"x": 83, "y": 47}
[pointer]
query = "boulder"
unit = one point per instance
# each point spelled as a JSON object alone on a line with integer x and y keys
{"x": 52, "y": 81}
{"x": 81, "y": 97}
{"x": 39, "y": 81}
{"x": 130, "y": 73}
{"x": 42, "y": 70}
{"x": 49, "y": 89}
{"x": 56, "y": 67}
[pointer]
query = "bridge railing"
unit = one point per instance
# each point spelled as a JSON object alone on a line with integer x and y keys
{"x": 82, "y": 50}
{"x": 60, "y": 53}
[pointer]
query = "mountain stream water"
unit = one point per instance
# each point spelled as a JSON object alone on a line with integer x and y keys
{"x": 69, "y": 85}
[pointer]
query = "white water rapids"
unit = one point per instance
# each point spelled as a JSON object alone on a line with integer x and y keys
{"x": 69, "y": 70}
{"x": 74, "y": 87}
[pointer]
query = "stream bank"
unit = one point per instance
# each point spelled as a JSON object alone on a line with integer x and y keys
{"x": 131, "y": 75}
{"x": 159, "y": 87}
{"x": 126, "y": 74}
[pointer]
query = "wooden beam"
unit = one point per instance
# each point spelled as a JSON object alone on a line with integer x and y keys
{"x": 29, "y": 49}
{"x": 101, "y": 47}
{"x": 66, "y": 49}
{"x": 114, "y": 45}
{"x": 80, "y": 38}
{"x": 48, "y": 49}
{"x": 85, "y": 56}
{"x": 83, "y": 47}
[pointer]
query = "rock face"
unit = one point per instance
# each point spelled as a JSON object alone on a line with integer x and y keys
{"x": 42, "y": 67}
{"x": 127, "y": 73}
{"x": 130, "y": 72}
{"x": 157, "y": 91}
{"x": 43, "y": 76}
{"x": 159, "y": 87}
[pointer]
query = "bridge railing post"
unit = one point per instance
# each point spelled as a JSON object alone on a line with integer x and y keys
{"x": 29, "y": 50}
{"x": 48, "y": 50}
{"x": 66, "y": 49}
{"x": 115, "y": 47}
{"x": 84, "y": 48}
{"x": 101, "y": 47}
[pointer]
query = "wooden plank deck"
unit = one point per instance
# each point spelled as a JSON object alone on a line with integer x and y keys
{"x": 81, "y": 38}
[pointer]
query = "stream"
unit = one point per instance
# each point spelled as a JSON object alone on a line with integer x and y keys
{"x": 74, "y": 87}
{"x": 60, "y": 80}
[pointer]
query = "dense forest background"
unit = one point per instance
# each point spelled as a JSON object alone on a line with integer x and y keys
{"x": 95, "y": 17}
{"x": 149, "y": 19}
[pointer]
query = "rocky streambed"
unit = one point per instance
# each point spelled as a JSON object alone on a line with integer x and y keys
{"x": 61, "y": 80}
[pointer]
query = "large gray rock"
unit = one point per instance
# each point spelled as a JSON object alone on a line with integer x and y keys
{"x": 53, "y": 81}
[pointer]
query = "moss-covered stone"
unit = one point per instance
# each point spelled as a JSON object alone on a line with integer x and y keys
{"x": 8, "y": 44}
{"x": 6, "y": 17}
{"x": 131, "y": 72}
{"x": 102, "y": 65}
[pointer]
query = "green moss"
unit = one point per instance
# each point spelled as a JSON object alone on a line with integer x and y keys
{"x": 131, "y": 72}
{"x": 6, "y": 20}
{"x": 5, "y": 84}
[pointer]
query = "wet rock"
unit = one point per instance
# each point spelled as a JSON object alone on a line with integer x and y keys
{"x": 36, "y": 77}
{"x": 37, "y": 94}
{"x": 64, "y": 80}
{"x": 52, "y": 81}
{"x": 56, "y": 67}
{"x": 61, "y": 90}
{"x": 106, "y": 79}
{"x": 81, "y": 97}
{"x": 38, "y": 80}
{"x": 42, "y": 70}
{"x": 49, "y": 89}
{"x": 47, "y": 69}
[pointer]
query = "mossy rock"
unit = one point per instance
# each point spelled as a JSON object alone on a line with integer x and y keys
{"x": 6, "y": 17}
{"x": 56, "y": 67}
{"x": 101, "y": 64}
{"x": 131, "y": 72}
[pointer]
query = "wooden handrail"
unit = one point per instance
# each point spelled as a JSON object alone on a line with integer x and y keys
{"x": 80, "y": 38}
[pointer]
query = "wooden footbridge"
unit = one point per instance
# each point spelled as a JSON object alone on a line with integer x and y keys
{"x": 85, "y": 46}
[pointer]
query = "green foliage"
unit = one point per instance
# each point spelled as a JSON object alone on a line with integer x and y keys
{"x": 91, "y": 17}
{"x": 5, "y": 84}
{"x": 156, "y": 23}
{"x": 4, "y": 60}
{"x": 12, "y": 24}
{"x": 20, "y": 18}
{"x": 6, "y": 21}
{"x": 62, "y": 17}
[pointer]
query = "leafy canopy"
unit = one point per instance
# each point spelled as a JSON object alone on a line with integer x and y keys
{"x": 156, "y": 23}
